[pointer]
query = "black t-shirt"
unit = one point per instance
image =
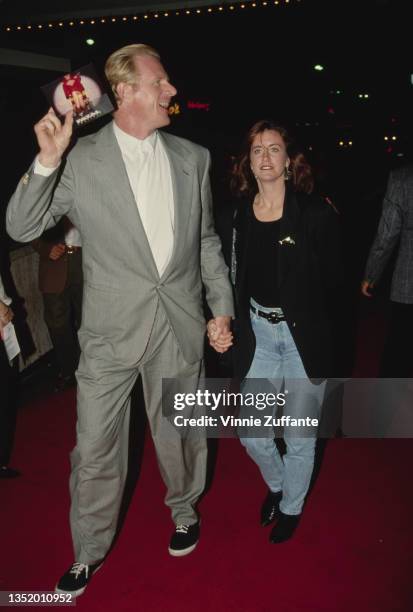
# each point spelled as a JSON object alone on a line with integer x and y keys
{"x": 262, "y": 262}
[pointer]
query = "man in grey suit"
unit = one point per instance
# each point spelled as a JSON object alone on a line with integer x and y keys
{"x": 395, "y": 228}
{"x": 142, "y": 203}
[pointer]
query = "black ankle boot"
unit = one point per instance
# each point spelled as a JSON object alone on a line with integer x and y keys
{"x": 285, "y": 527}
{"x": 269, "y": 509}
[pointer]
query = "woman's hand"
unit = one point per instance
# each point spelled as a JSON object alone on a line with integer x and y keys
{"x": 219, "y": 334}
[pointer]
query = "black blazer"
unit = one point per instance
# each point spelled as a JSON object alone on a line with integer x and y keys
{"x": 309, "y": 274}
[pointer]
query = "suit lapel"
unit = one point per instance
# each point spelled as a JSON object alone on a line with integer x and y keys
{"x": 115, "y": 177}
{"x": 243, "y": 223}
{"x": 182, "y": 173}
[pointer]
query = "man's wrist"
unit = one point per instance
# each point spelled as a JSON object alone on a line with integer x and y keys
{"x": 51, "y": 163}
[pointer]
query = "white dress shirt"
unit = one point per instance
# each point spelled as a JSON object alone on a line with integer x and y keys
{"x": 72, "y": 237}
{"x": 149, "y": 173}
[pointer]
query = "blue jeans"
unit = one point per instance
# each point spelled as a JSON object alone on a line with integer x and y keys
{"x": 277, "y": 360}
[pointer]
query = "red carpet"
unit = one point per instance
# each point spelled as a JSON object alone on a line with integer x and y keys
{"x": 353, "y": 549}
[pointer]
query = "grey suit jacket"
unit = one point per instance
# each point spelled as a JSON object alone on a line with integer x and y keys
{"x": 122, "y": 285}
{"x": 396, "y": 226}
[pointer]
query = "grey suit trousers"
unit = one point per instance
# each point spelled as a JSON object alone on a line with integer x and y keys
{"x": 100, "y": 458}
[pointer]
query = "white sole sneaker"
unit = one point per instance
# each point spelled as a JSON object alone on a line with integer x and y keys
{"x": 184, "y": 551}
{"x": 78, "y": 591}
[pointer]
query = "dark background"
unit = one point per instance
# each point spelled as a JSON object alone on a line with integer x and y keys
{"x": 247, "y": 64}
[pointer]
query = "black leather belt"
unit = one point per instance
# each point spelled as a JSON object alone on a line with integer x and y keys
{"x": 272, "y": 317}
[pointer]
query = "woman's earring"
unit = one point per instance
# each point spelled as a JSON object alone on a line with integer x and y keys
{"x": 287, "y": 174}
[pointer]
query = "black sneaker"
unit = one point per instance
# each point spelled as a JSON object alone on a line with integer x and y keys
{"x": 76, "y": 579}
{"x": 270, "y": 508}
{"x": 285, "y": 527}
{"x": 184, "y": 540}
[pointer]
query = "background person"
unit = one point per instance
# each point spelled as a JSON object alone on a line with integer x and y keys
{"x": 61, "y": 284}
{"x": 395, "y": 231}
{"x": 8, "y": 403}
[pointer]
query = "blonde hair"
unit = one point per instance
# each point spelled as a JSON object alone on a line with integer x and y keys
{"x": 120, "y": 67}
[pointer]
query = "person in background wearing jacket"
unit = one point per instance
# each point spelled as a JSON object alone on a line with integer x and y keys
{"x": 395, "y": 228}
{"x": 8, "y": 403}
{"x": 61, "y": 284}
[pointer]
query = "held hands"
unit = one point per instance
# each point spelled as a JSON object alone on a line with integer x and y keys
{"x": 57, "y": 251}
{"x": 219, "y": 334}
{"x": 366, "y": 287}
{"x": 53, "y": 138}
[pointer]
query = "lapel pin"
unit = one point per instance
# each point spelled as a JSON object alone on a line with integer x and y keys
{"x": 287, "y": 240}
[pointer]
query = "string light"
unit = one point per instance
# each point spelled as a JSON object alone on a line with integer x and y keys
{"x": 124, "y": 19}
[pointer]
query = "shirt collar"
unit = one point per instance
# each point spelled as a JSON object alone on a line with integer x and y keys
{"x": 131, "y": 145}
